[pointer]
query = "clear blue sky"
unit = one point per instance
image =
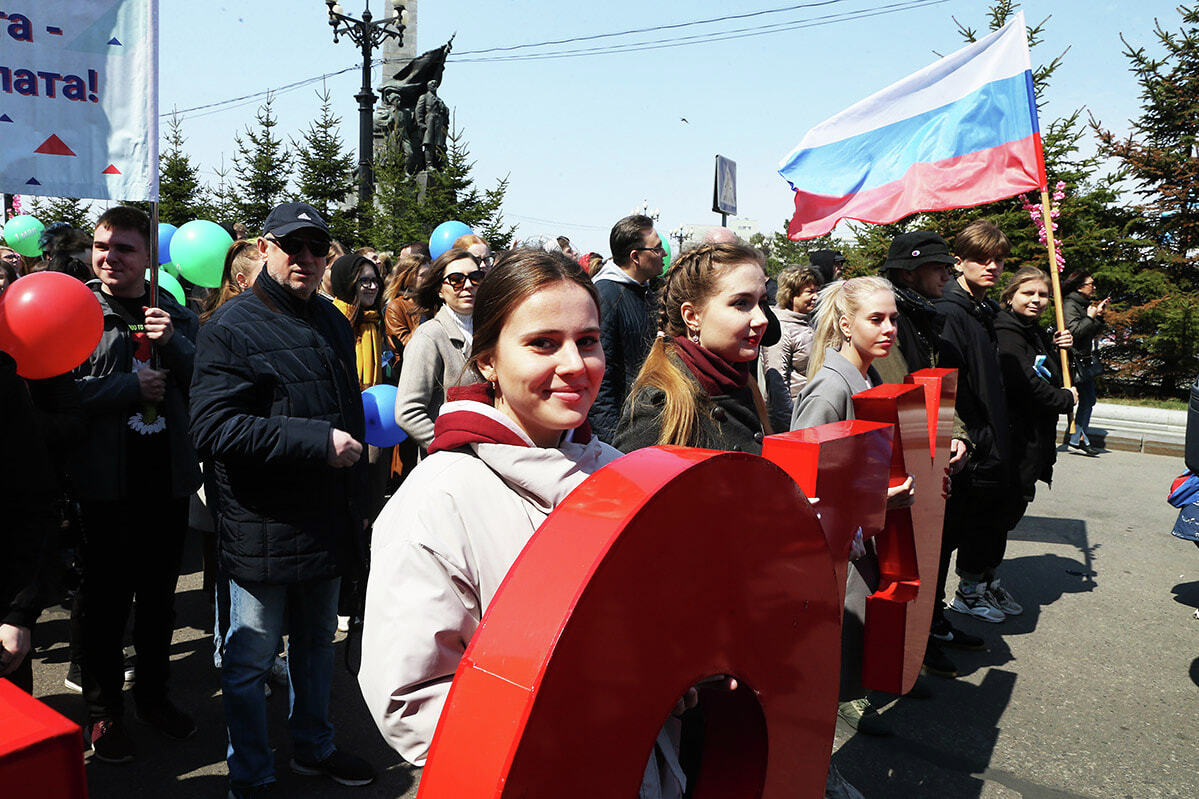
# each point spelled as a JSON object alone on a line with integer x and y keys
{"x": 584, "y": 139}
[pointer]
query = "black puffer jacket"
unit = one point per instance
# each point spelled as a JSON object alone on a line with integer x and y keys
{"x": 729, "y": 422}
{"x": 274, "y": 374}
{"x": 969, "y": 330}
{"x": 1033, "y": 402}
{"x": 627, "y": 329}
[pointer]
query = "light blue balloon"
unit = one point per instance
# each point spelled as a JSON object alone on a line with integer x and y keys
{"x": 379, "y": 407}
{"x": 444, "y": 236}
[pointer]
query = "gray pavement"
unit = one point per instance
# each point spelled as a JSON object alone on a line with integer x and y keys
{"x": 1091, "y": 693}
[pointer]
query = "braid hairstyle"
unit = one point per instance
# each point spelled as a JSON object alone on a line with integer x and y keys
{"x": 692, "y": 278}
{"x": 837, "y": 299}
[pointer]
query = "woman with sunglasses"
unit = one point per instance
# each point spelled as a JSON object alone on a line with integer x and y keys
{"x": 356, "y": 292}
{"x": 435, "y": 358}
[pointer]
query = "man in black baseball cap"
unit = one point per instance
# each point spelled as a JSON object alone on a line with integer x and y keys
{"x": 277, "y": 414}
{"x": 919, "y": 265}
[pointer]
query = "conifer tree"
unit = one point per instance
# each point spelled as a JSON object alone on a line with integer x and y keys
{"x": 181, "y": 193}
{"x": 1155, "y": 321}
{"x": 261, "y": 169}
{"x": 75, "y": 212}
{"x": 325, "y": 172}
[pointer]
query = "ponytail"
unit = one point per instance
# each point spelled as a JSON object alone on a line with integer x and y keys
{"x": 838, "y": 299}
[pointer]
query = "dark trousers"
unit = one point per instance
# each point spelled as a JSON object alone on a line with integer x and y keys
{"x": 977, "y": 520}
{"x": 131, "y": 550}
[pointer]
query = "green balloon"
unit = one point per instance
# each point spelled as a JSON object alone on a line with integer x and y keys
{"x": 21, "y": 233}
{"x": 198, "y": 248}
{"x": 166, "y": 282}
{"x": 170, "y": 268}
{"x": 666, "y": 258}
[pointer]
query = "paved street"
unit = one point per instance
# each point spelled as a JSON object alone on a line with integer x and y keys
{"x": 1091, "y": 693}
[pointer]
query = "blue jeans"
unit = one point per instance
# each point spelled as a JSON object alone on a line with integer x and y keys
{"x": 1082, "y": 414}
{"x": 258, "y": 614}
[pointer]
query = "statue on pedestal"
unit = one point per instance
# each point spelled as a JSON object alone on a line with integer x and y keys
{"x": 411, "y": 116}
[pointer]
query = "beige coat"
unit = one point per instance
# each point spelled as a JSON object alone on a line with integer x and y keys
{"x": 434, "y": 361}
{"x": 441, "y": 547}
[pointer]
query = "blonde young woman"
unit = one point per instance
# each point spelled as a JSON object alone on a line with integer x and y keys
{"x": 855, "y": 324}
{"x": 242, "y": 265}
{"x": 695, "y": 388}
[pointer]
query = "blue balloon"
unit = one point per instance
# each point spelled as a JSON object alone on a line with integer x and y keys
{"x": 444, "y": 236}
{"x": 165, "y": 232}
{"x": 379, "y": 406}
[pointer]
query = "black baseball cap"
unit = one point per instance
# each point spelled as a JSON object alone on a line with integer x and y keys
{"x": 912, "y": 250}
{"x": 825, "y": 262}
{"x": 290, "y": 217}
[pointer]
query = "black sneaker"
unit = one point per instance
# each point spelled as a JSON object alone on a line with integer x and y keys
{"x": 168, "y": 719}
{"x": 861, "y": 716}
{"x": 239, "y": 790}
{"x": 936, "y": 662}
{"x": 110, "y": 742}
{"x": 74, "y": 680}
{"x": 340, "y": 767}
{"x": 1086, "y": 448}
{"x": 948, "y": 635}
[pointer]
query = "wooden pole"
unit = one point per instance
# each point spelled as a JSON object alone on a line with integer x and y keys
{"x": 1060, "y": 318}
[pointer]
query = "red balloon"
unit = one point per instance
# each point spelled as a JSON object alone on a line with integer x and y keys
{"x": 49, "y": 324}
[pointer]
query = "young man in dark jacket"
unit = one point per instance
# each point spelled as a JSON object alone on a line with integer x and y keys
{"x": 133, "y": 474}
{"x": 276, "y": 413}
{"x": 627, "y": 323}
{"x": 919, "y": 266}
{"x": 974, "y": 520}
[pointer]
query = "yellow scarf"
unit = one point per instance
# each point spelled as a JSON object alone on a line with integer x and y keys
{"x": 368, "y": 346}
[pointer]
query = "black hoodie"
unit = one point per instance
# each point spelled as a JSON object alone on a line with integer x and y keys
{"x": 969, "y": 328}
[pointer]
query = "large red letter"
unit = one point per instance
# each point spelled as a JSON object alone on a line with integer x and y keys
{"x": 665, "y": 567}
{"x": 898, "y": 614}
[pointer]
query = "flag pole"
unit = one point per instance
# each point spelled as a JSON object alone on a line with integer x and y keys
{"x": 1057, "y": 283}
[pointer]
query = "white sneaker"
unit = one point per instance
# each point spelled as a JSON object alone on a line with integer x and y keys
{"x": 343, "y": 624}
{"x": 971, "y": 599}
{"x": 1000, "y": 598}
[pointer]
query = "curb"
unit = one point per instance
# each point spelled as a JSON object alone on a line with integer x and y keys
{"x": 1153, "y": 431}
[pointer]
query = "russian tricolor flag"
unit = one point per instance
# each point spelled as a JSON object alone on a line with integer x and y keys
{"x": 960, "y": 132}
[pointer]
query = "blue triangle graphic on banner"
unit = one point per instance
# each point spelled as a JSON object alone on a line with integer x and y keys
{"x": 115, "y": 41}
{"x": 5, "y": 118}
{"x": 33, "y": 182}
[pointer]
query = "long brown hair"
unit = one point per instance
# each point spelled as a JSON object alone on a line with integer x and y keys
{"x": 240, "y": 259}
{"x": 402, "y": 279}
{"x": 692, "y": 278}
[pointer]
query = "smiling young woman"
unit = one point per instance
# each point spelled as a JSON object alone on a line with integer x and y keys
{"x": 505, "y": 453}
{"x": 695, "y": 388}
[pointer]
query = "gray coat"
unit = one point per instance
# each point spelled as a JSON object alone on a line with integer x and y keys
{"x": 434, "y": 361}
{"x": 828, "y": 396}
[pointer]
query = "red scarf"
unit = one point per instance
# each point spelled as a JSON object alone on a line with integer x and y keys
{"x": 715, "y": 374}
{"x": 459, "y": 425}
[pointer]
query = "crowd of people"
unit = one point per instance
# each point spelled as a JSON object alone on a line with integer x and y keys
{"x": 517, "y": 375}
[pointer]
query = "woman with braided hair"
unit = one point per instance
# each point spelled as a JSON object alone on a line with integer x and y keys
{"x": 695, "y": 389}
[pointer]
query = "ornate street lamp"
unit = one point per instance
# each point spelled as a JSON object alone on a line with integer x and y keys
{"x": 644, "y": 210}
{"x": 368, "y": 33}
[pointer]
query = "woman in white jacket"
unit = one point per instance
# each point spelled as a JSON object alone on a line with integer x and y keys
{"x": 504, "y": 454}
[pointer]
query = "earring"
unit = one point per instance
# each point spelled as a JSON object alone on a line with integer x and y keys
{"x": 693, "y": 335}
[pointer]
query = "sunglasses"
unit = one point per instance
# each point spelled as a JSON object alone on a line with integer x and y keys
{"x": 457, "y": 280}
{"x": 293, "y": 245}
{"x": 655, "y": 250}
{"x": 368, "y": 281}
